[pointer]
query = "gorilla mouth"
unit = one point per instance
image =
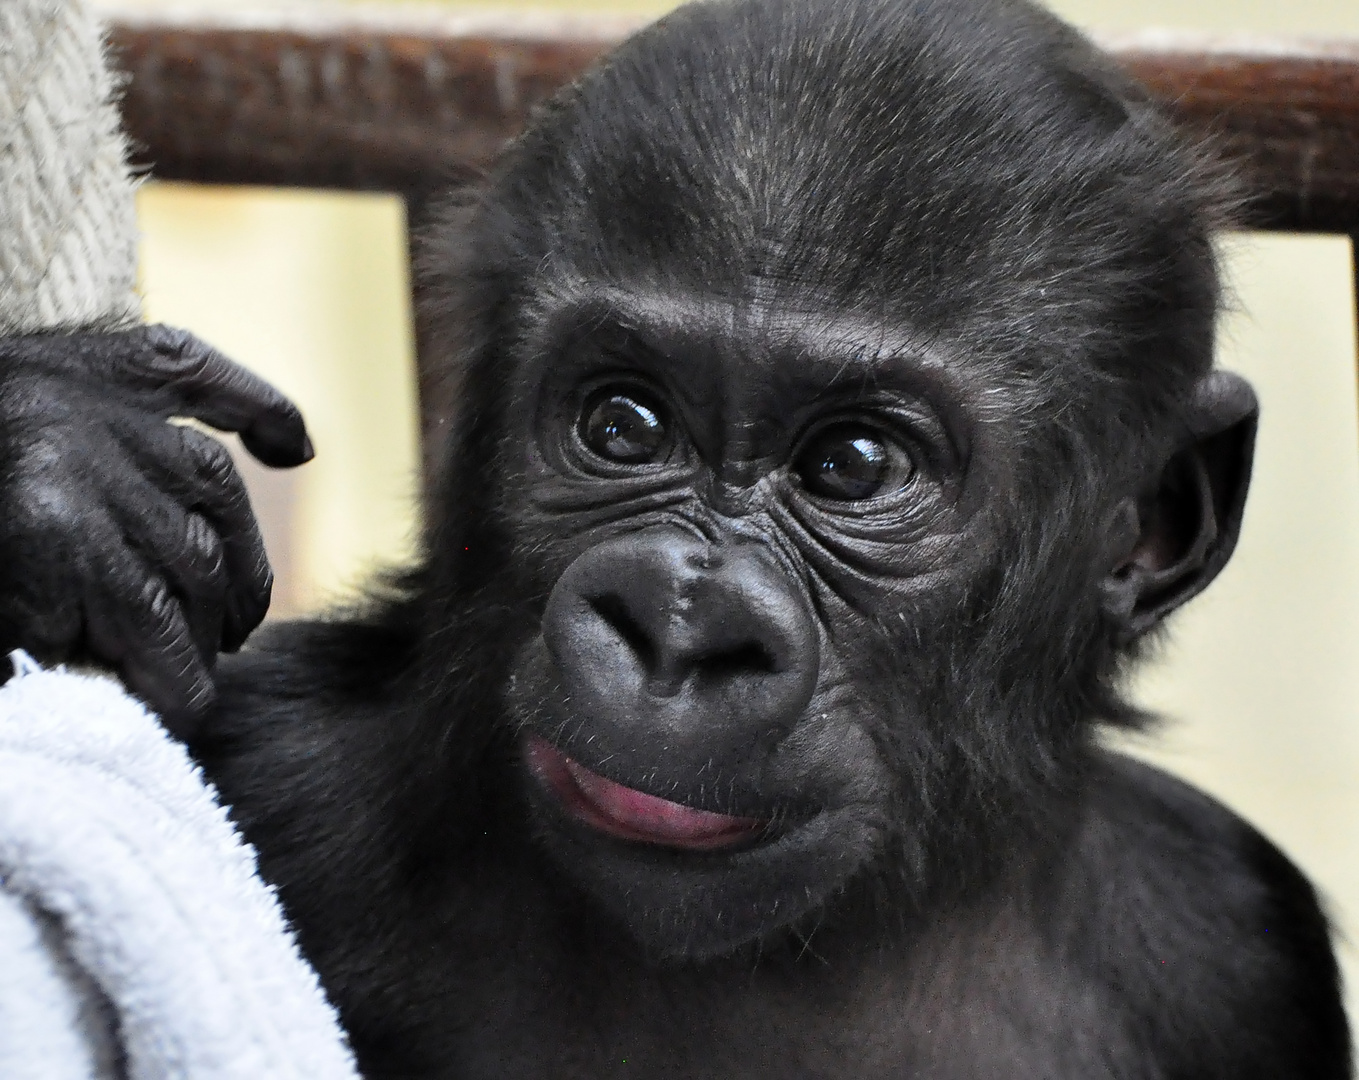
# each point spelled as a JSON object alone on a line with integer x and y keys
{"x": 629, "y": 814}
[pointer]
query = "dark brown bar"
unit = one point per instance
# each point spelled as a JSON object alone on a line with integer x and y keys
{"x": 410, "y": 108}
{"x": 1290, "y": 119}
{"x": 334, "y": 106}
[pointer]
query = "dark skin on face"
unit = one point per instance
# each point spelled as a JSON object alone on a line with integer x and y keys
{"x": 836, "y": 420}
{"x": 735, "y": 499}
{"x": 728, "y": 508}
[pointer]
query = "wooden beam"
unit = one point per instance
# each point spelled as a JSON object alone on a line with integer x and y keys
{"x": 1287, "y": 112}
{"x": 336, "y": 100}
{"x": 370, "y": 100}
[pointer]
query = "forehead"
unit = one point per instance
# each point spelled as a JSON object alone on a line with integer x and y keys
{"x": 932, "y": 163}
{"x": 949, "y": 190}
{"x": 789, "y": 338}
{"x": 814, "y": 143}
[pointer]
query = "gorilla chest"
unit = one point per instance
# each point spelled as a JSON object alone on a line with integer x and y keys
{"x": 940, "y": 1010}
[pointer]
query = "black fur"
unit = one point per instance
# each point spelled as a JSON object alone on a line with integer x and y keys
{"x": 953, "y": 233}
{"x": 967, "y": 190}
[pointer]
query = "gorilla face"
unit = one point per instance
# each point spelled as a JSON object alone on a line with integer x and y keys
{"x": 735, "y": 531}
{"x": 832, "y": 484}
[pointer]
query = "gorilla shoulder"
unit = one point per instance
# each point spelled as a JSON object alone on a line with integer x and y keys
{"x": 1198, "y": 923}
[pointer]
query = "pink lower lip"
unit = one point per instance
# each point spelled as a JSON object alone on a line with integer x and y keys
{"x": 630, "y": 814}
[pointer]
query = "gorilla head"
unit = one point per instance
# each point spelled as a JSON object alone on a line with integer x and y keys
{"x": 837, "y": 415}
{"x": 836, "y": 419}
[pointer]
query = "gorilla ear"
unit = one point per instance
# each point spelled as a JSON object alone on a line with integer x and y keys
{"x": 1186, "y": 529}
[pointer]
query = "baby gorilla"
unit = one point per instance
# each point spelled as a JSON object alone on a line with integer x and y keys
{"x": 836, "y": 418}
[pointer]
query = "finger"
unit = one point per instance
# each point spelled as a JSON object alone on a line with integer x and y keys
{"x": 181, "y": 544}
{"x": 135, "y": 623}
{"x": 203, "y": 383}
{"x": 196, "y": 470}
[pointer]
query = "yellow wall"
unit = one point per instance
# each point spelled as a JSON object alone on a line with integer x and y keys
{"x": 1260, "y": 683}
{"x": 311, "y": 290}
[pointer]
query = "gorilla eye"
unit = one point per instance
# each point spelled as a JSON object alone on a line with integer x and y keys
{"x": 623, "y": 427}
{"x": 845, "y": 461}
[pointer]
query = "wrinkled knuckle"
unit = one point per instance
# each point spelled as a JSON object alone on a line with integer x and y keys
{"x": 266, "y": 583}
{"x": 259, "y": 581}
{"x": 213, "y": 463}
{"x": 159, "y": 604}
{"x": 201, "y": 697}
{"x": 189, "y": 367}
{"x": 204, "y": 547}
{"x": 168, "y": 341}
{"x": 260, "y": 570}
{"x": 162, "y": 335}
{"x": 174, "y": 356}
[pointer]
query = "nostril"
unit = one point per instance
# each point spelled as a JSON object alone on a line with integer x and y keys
{"x": 668, "y": 663}
{"x": 612, "y": 609}
{"x": 749, "y": 659}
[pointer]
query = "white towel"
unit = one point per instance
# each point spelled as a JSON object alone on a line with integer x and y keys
{"x": 135, "y": 937}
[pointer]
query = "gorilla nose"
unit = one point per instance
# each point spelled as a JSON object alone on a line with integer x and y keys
{"x": 663, "y": 638}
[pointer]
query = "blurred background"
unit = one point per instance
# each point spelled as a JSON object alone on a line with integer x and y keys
{"x": 1259, "y": 681}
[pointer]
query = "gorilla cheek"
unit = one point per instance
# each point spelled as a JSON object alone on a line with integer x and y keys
{"x": 832, "y": 760}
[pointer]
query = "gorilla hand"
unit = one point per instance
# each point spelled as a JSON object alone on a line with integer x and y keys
{"x": 124, "y": 538}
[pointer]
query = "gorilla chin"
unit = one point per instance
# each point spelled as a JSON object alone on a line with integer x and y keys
{"x": 669, "y": 872}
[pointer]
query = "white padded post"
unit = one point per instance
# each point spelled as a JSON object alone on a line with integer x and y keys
{"x": 135, "y": 938}
{"x": 68, "y": 258}
{"x": 68, "y": 226}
